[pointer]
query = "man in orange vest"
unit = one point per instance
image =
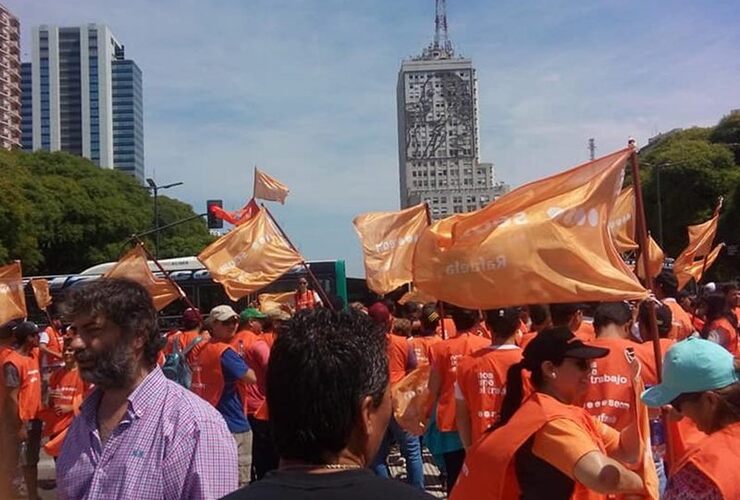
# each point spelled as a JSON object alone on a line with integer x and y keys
{"x": 401, "y": 360}
{"x": 571, "y": 315}
{"x": 445, "y": 357}
{"x": 50, "y": 346}
{"x": 217, "y": 369}
{"x": 481, "y": 377}
{"x": 666, "y": 290}
{"x": 305, "y": 298}
{"x": 192, "y": 328}
{"x": 22, "y": 380}
{"x": 8, "y": 460}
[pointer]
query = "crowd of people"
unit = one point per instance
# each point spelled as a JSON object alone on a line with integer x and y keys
{"x": 535, "y": 401}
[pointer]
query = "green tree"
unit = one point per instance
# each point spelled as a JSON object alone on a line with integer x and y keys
{"x": 60, "y": 213}
{"x": 727, "y": 132}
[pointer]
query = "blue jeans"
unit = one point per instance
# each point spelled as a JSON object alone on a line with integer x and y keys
{"x": 662, "y": 479}
{"x": 410, "y": 449}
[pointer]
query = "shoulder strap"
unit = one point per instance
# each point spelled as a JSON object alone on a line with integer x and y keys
{"x": 192, "y": 344}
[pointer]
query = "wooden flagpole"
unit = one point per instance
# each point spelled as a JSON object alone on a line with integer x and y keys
{"x": 167, "y": 276}
{"x": 439, "y": 302}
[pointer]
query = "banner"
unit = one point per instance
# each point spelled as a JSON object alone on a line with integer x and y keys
{"x": 269, "y": 188}
{"x": 685, "y": 269}
{"x": 622, "y": 221}
{"x": 12, "y": 297}
{"x": 544, "y": 242}
{"x": 690, "y": 262}
{"x": 388, "y": 240}
{"x": 416, "y": 296}
{"x": 656, "y": 257}
{"x": 271, "y": 301}
{"x": 135, "y": 266}
{"x": 249, "y": 257}
{"x": 41, "y": 293}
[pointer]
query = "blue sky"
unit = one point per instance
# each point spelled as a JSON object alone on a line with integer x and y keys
{"x": 306, "y": 89}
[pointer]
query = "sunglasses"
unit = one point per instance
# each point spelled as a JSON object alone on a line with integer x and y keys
{"x": 303, "y": 282}
{"x": 684, "y": 398}
{"x": 582, "y": 364}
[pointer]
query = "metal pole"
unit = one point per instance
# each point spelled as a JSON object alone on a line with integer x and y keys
{"x": 660, "y": 205}
{"x": 156, "y": 223}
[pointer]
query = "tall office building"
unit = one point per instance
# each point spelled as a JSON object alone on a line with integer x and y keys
{"x": 438, "y": 134}
{"x": 10, "y": 80}
{"x": 86, "y": 97}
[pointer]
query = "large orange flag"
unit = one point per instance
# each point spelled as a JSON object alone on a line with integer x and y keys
{"x": 656, "y": 257}
{"x": 249, "y": 257}
{"x": 12, "y": 298}
{"x": 41, "y": 292}
{"x": 685, "y": 269}
{"x": 544, "y": 242}
{"x": 388, "y": 240}
{"x": 269, "y": 188}
{"x": 701, "y": 238}
{"x": 135, "y": 266}
{"x": 622, "y": 221}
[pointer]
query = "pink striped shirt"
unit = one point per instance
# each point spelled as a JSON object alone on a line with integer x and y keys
{"x": 169, "y": 445}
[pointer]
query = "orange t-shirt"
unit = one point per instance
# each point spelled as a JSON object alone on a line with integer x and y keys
{"x": 252, "y": 395}
{"x": 724, "y": 333}
{"x": 610, "y": 395}
{"x": 445, "y": 357}
{"x": 66, "y": 387}
{"x": 527, "y": 338}
{"x": 646, "y": 354}
{"x": 421, "y": 346}
{"x": 481, "y": 377}
{"x": 682, "y": 326}
{"x": 586, "y": 331}
{"x": 398, "y": 356}
{"x": 449, "y": 329}
{"x": 269, "y": 338}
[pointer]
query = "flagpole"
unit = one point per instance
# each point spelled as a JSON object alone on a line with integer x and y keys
{"x": 166, "y": 274}
{"x": 642, "y": 241}
{"x": 254, "y": 182}
{"x": 316, "y": 284}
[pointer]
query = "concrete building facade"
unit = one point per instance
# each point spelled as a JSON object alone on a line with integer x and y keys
{"x": 10, "y": 80}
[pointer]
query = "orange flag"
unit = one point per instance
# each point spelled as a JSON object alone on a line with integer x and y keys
{"x": 411, "y": 400}
{"x": 544, "y": 242}
{"x": 12, "y": 297}
{"x": 269, "y": 301}
{"x": 416, "y": 296}
{"x": 41, "y": 292}
{"x": 622, "y": 221}
{"x": 135, "y": 266}
{"x": 269, "y": 188}
{"x": 388, "y": 240}
{"x": 645, "y": 466}
{"x": 685, "y": 269}
{"x": 656, "y": 257}
{"x": 249, "y": 257}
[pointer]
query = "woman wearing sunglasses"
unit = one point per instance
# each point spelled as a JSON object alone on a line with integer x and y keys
{"x": 700, "y": 382}
{"x": 548, "y": 446}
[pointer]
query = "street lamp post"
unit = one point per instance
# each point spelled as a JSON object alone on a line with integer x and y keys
{"x": 155, "y": 190}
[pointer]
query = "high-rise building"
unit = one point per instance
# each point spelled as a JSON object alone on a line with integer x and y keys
{"x": 26, "y": 107}
{"x": 86, "y": 97}
{"x": 10, "y": 80}
{"x": 438, "y": 133}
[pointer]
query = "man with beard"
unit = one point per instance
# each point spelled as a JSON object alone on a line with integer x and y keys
{"x": 138, "y": 434}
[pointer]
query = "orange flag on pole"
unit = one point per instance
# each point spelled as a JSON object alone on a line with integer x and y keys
{"x": 41, "y": 292}
{"x": 656, "y": 257}
{"x": 269, "y": 301}
{"x": 269, "y": 188}
{"x": 135, "y": 266}
{"x": 622, "y": 221}
{"x": 685, "y": 269}
{"x": 544, "y": 242}
{"x": 701, "y": 238}
{"x": 12, "y": 298}
{"x": 388, "y": 240}
{"x": 249, "y": 257}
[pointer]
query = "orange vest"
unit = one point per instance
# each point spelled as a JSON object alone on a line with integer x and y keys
{"x": 488, "y": 472}
{"x": 398, "y": 355}
{"x": 29, "y": 392}
{"x": 482, "y": 380}
{"x": 526, "y": 339}
{"x": 682, "y": 326}
{"x": 66, "y": 387}
{"x": 421, "y": 346}
{"x": 717, "y": 457}
{"x": 445, "y": 357}
{"x": 208, "y": 377}
{"x": 56, "y": 344}
{"x": 305, "y": 300}
{"x": 610, "y": 395}
{"x": 724, "y": 324}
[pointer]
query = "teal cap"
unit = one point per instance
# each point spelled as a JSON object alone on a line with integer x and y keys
{"x": 692, "y": 365}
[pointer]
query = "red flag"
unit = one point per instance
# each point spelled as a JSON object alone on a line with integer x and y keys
{"x": 237, "y": 217}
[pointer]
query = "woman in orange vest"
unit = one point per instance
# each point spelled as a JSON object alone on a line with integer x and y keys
{"x": 546, "y": 447}
{"x": 428, "y": 336}
{"x": 305, "y": 298}
{"x": 720, "y": 324}
{"x": 700, "y": 382}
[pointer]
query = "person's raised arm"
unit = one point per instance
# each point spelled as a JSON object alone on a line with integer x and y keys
{"x": 602, "y": 474}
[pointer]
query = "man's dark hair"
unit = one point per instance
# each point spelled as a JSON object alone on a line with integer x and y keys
{"x": 322, "y": 366}
{"x": 611, "y": 313}
{"x": 663, "y": 315}
{"x": 667, "y": 282}
{"x": 464, "y": 319}
{"x": 123, "y": 302}
{"x": 503, "y": 322}
{"x": 561, "y": 314}
{"x": 538, "y": 313}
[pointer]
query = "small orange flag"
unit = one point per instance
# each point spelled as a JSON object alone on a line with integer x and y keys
{"x": 544, "y": 242}
{"x": 41, "y": 292}
{"x": 656, "y": 257}
{"x": 135, "y": 266}
{"x": 269, "y": 188}
{"x": 411, "y": 400}
{"x": 416, "y": 296}
{"x": 12, "y": 297}
{"x": 269, "y": 301}
{"x": 249, "y": 257}
{"x": 388, "y": 240}
{"x": 622, "y": 221}
{"x": 686, "y": 268}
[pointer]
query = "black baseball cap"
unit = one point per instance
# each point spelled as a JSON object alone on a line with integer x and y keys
{"x": 554, "y": 344}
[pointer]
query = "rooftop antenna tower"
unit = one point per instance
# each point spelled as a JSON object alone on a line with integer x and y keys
{"x": 441, "y": 39}
{"x": 592, "y": 148}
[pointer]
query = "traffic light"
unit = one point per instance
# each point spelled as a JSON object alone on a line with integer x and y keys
{"x": 214, "y": 220}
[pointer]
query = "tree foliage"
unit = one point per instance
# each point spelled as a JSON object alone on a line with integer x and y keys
{"x": 61, "y": 214}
